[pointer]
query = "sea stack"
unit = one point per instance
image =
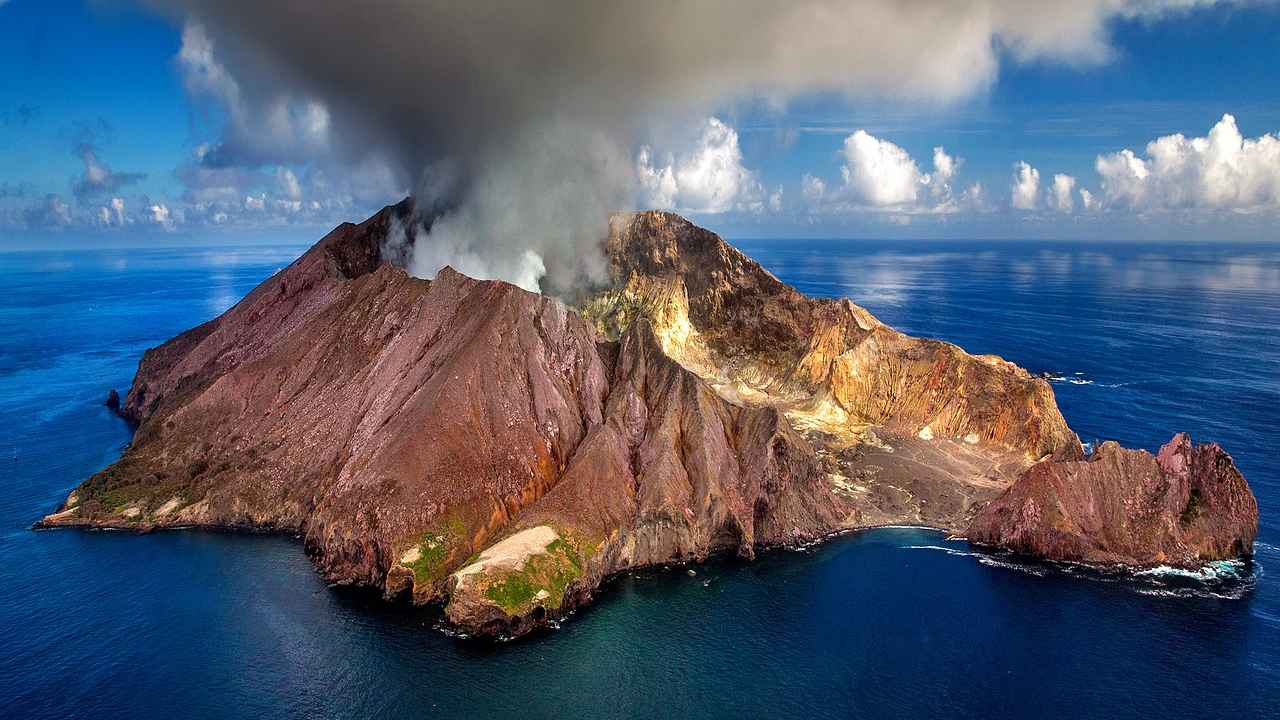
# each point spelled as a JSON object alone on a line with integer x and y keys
{"x": 1186, "y": 505}
{"x": 503, "y": 452}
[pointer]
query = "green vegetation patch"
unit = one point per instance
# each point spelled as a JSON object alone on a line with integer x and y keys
{"x": 116, "y": 489}
{"x": 551, "y": 571}
{"x": 434, "y": 550}
{"x": 112, "y": 492}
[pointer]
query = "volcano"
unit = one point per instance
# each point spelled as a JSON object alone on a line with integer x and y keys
{"x": 500, "y": 452}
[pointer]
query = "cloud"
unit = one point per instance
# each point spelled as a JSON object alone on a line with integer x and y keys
{"x": 878, "y": 175}
{"x": 709, "y": 179}
{"x": 535, "y": 110}
{"x": 263, "y": 126}
{"x": 97, "y": 178}
{"x": 1221, "y": 171}
{"x": 289, "y": 184}
{"x": 1025, "y": 192}
{"x": 52, "y": 213}
{"x": 161, "y": 215}
{"x": 1088, "y": 201}
{"x": 813, "y": 189}
{"x": 1061, "y": 193}
{"x": 878, "y": 172}
{"x": 113, "y": 214}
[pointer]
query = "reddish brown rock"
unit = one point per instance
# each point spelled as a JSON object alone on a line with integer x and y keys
{"x": 1182, "y": 507}
{"x": 468, "y": 442}
{"x": 404, "y": 426}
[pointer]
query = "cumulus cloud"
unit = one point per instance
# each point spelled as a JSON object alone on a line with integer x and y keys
{"x": 813, "y": 189}
{"x": 878, "y": 175}
{"x": 879, "y": 172}
{"x": 1221, "y": 171}
{"x": 546, "y": 103}
{"x": 113, "y": 213}
{"x": 1025, "y": 192}
{"x": 709, "y": 179}
{"x": 161, "y": 215}
{"x": 1061, "y": 193}
{"x": 1088, "y": 201}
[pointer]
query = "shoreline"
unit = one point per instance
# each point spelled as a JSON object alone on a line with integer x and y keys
{"x": 583, "y": 598}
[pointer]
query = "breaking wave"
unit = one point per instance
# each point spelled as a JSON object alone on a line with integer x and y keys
{"x": 1073, "y": 378}
{"x": 987, "y": 559}
{"x": 1078, "y": 378}
{"x": 1222, "y": 579}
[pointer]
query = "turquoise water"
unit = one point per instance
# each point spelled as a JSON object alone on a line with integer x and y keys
{"x": 889, "y": 623}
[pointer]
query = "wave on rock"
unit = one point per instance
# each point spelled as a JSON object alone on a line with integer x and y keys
{"x": 1220, "y": 579}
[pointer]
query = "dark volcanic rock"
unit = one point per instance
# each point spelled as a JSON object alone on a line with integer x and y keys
{"x": 113, "y": 401}
{"x": 1184, "y": 506}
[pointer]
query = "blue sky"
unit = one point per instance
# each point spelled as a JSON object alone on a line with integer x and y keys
{"x": 103, "y": 80}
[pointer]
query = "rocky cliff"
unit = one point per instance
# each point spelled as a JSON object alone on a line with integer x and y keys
{"x": 1183, "y": 506}
{"x": 470, "y": 443}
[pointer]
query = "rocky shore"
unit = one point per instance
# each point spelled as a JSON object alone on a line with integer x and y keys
{"x": 502, "y": 452}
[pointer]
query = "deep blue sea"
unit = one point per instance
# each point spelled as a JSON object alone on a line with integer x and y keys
{"x": 1144, "y": 339}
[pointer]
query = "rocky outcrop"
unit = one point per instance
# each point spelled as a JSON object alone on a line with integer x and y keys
{"x": 1184, "y": 506}
{"x": 469, "y": 443}
{"x": 727, "y": 318}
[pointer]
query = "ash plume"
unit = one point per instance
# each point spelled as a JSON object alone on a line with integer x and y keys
{"x": 517, "y": 122}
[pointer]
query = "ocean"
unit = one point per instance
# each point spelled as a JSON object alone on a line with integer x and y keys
{"x": 1141, "y": 340}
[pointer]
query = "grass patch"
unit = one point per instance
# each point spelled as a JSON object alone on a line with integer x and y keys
{"x": 117, "y": 497}
{"x": 435, "y": 547}
{"x": 551, "y": 571}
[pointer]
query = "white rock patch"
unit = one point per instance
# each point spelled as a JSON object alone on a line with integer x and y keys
{"x": 511, "y": 553}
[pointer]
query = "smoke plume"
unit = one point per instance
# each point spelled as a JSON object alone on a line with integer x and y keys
{"x": 517, "y": 122}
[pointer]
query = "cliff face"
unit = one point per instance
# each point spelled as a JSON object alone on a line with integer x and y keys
{"x": 1183, "y": 506}
{"x": 730, "y": 320}
{"x": 471, "y": 443}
